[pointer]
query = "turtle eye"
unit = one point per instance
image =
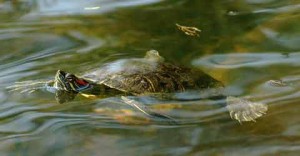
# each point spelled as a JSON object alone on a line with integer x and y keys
{"x": 70, "y": 78}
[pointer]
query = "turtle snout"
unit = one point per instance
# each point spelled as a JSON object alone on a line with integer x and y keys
{"x": 61, "y": 73}
{"x": 60, "y": 81}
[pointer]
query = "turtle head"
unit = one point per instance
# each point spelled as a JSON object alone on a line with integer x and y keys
{"x": 69, "y": 82}
{"x": 154, "y": 55}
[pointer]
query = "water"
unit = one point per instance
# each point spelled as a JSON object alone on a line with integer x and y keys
{"x": 242, "y": 43}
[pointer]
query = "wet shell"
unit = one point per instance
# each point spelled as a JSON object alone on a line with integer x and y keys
{"x": 150, "y": 75}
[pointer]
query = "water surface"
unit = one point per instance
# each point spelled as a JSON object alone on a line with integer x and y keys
{"x": 244, "y": 44}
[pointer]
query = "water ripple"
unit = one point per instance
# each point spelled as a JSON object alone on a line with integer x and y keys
{"x": 65, "y": 7}
{"x": 39, "y": 37}
{"x": 29, "y": 124}
{"x": 232, "y": 61}
{"x": 283, "y": 9}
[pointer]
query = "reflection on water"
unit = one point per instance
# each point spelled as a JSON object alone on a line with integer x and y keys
{"x": 245, "y": 44}
{"x": 75, "y": 7}
{"x": 262, "y": 60}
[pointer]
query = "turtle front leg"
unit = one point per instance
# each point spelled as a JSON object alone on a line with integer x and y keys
{"x": 146, "y": 110}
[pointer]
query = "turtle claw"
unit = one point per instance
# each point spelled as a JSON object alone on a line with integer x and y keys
{"x": 244, "y": 110}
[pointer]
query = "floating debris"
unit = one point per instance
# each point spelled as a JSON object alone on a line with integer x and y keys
{"x": 191, "y": 31}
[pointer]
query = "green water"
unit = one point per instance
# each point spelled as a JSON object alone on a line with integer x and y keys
{"x": 244, "y": 44}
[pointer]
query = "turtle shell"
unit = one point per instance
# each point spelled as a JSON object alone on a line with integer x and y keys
{"x": 149, "y": 75}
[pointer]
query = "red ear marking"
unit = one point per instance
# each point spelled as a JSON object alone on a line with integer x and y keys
{"x": 81, "y": 82}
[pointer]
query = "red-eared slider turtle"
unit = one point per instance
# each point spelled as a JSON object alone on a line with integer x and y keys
{"x": 149, "y": 75}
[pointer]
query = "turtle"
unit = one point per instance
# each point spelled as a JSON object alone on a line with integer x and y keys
{"x": 149, "y": 75}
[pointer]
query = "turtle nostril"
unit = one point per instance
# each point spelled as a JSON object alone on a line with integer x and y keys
{"x": 69, "y": 75}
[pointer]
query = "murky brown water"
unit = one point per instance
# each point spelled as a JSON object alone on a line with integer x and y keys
{"x": 242, "y": 43}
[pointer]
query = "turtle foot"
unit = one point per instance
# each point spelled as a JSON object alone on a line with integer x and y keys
{"x": 244, "y": 110}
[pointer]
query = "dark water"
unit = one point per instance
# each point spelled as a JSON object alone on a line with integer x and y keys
{"x": 243, "y": 43}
